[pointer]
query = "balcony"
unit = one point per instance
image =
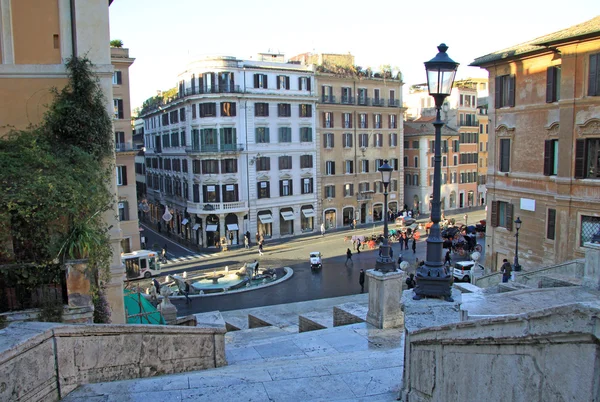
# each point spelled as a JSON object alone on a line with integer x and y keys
{"x": 124, "y": 147}
{"x": 348, "y": 100}
{"x": 216, "y": 207}
{"x": 469, "y": 123}
{"x": 327, "y": 99}
{"x": 378, "y": 102}
{"x": 364, "y": 101}
{"x": 394, "y": 102}
{"x": 220, "y": 89}
{"x": 223, "y": 148}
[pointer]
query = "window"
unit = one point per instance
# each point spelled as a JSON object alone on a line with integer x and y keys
{"x": 330, "y": 168}
{"x": 182, "y": 142}
{"x": 261, "y": 81}
{"x": 262, "y": 135}
{"x": 306, "y": 161}
{"x": 328, "y": 140}
{"x": 364, "y": 166}
{"x": 307, "y": 186}
{"x": 305, "y": 110}
{"x": 347, "y": 140}
{"x": 550, "y": 157}
{"x": 505, "y": 91}
{"x": 551, "y": 224}
{"x": 263, "y": 163}
{"x": 120, "y": 141}
{"x": 306, "y": 134}
{"x": 587, "y": 158}
{"x": 327, "y": 94}
{"x": 118, "y": 109}
{"x": 502, "y": 214}
{"x": 552, "y": 84}
{"x": 230, "y": 192}
{"x": 393, "y": 137}
{"x": 164, "y": 119}
{"x": 285, "y": 162}
{"x": 229, "y": 166}
{"x": 184, "y": 166}
{"x": 444, "y": 161}
{"x": 285, "y": 188}
{"x": 363, "y": 140}
{"x": 393, "y": 122}
{"x": 329, "y": 191}
{"x": 363, "y": 120}
{"x": 378, "y": 162}
{"x": 362, "y": 96}
{"x": 283, "y": 82}
{"x": 121, "y": 175}
{"x": 196, "y": 166}
{"x": 182, "y": 114}
{"x": 415, "y": 144}
{"x": 348, "y": 190}
{"x": 594, "y": 75}
{"x": 378, "y": 140}
{"x": 208, "y": 109}
{"x": 175, "y": 139}
{"x": 304, "y": 83}
{"x": 348, "y": 167}
{"x": 364, "y": 187}
{"x": 210, "y": 166}
{"x": 415, "y": 180}
{"x": 347, "y": 120}
{"x": 264, "y": 190}
{"x": 227, "y": 109}
{"x": 394, "y": 163}
{"x": 123, "y": 211}
{"x": 117, "y": 77}
{"x": 405, "y": 161}
{"x": 327, "y": 119}
{"x": 455, "y": 160}
{"x": 166, "y": 141}
{"x": 590, "y": 225}
{"x": 504, "y": 155}
{"x": 416, "y": 161}
{"x": 285, "y": 134}
{"x": 261, "y": 109}
{"x": 284, "y": 110}
{"x": 210, "y": 194}
{"x": 347, "y": 95}
{"x": 377, "y": 120}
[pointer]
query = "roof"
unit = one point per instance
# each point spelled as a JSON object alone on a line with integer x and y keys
{"x": 424, "y": 126}
{"x": 588, "y": 29}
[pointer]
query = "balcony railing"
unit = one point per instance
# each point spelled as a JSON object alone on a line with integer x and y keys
{"x": 469, "y": 123}
{"x": 364, "y": 101}
{"x": 216, "y": 207}
{"x": 327, "y": 99}
{"x": 348, "y": 100}
{"x": 217, "y": 89}
{"x": 394, "y": 102}
{"x": 378, "y": 102}
{"x": 124, "y": 146}
{"x": 215, "y": 148}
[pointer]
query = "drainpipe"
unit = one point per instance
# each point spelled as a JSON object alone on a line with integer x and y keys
{"x": 73, "y": 29}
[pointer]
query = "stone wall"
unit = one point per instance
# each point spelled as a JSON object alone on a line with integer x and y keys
{"x": 548, "y": 355}
{"x": 532, "y": 278}
{"x": 42, "y": 361}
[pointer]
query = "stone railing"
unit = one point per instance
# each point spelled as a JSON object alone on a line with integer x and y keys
{"x": 43, "y": 361}
{"x": 545, "y": 355}
{"x": 532, "y": 278}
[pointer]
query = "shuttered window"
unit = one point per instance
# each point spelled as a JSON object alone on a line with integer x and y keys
{"x": 505, "y": 91}
{"x": 552, "y": 84}
{"x": 551, "y": 224}
{"x": 550, "y": 157}
{"x": 502, "y": 214}
{"x": 594, "y": 75}
{"x": 504, "y": 155}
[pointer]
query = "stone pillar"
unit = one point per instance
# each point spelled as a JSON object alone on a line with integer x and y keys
{"x": 591, "y": 270}
{"x": 166, "y": 308}
{"x": 384, "y": 299}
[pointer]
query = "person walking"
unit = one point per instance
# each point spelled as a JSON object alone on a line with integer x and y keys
{"x": 246, "y": 245}
{"x": 255, "y": 267}
{"x": 186, "y": 293}
{"x": 447, "y": 259}
{"x": 156, "y": 285}
{"x": 163, "y": 255}
{"x": 348, "y": 255}
{"x": 323, "y": 229}
{"x": 361, "y": 280}
{"x": 414, "y": 245}
{"x": 506, "y": 270}
{"x": 260, "y": 248}
{"x": 247, "y": 235}
{"x": 405, "y": 238}
{"x": 400, "y": 260}
{"x": 410, "y": 281}
{"x": 358, "y": 243}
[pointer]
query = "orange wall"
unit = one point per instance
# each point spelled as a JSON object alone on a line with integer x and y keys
{"x": 34, "y": 25}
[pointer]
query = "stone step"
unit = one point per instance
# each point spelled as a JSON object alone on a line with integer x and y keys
{"x": 557, "y": 281}
{"x": 251, "y": 336}
{"x": 350, "y": 313}
{"x": 315, "y": 320}
{"x": 212, "y": 319}
{"x": 512, "y": 286}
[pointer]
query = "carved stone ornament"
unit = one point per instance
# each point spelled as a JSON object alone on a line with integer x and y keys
{"x": 590, "y": 128}
{"x": 504, "y": 131}
{"x": 553, "y": 129}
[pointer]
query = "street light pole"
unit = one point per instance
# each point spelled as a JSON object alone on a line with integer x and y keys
{"x": 432, "y": 278}
{"x": 518, "y": 226}
{"x": 384, "y": 260}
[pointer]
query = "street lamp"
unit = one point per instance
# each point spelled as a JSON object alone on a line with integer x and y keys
{"x": 384, "y": 261}
{"x": 432, "y": 278}
{"x": 518, "y": 226}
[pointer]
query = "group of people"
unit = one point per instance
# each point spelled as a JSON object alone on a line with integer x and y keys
{"x": 404, "y": 238}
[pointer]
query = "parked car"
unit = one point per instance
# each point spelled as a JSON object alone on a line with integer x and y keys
{"x": 404, "y": 221}
{"x": 315, "y": 260}
{"x": 463, "y": 270}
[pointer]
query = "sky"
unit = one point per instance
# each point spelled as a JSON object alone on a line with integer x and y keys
{"x": 163, "y": 36}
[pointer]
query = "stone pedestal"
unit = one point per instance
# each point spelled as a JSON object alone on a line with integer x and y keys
{"x": 166, "y": 308}
{"x": 591, "y": 270}
{"x": 384, "y": 299}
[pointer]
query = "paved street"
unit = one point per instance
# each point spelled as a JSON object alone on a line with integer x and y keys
{"x": 335, "y": 279}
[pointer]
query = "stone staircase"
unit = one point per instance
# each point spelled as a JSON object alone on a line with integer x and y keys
{"x": 287, "y": 352}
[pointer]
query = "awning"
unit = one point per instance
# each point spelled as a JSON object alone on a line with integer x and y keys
{"x": 266, "y": 218}
{"x": 196, "y": 226}
{"x": 287, "y": 216}
{"x": 233, "y": 226}
{"x": 309, "y": 213}
{"x": 184, "y": 221}
{"x": 211, "y": 228}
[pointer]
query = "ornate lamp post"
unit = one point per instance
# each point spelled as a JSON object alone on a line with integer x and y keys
{"x": 384, "y": 261}
{"x": 432, "y": 278}
{"x": 518, "y": 226}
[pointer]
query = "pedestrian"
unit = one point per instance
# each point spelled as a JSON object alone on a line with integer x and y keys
{"x": 410, "y": 281}
{"x": 348, "y": 255}
{"x": 257, "y": 238}
{"x": 506, "y": 270}
{"x": 246, "y": 245}
{"x": 354, "y": 224}
{"x": 156, "y": 285}
{"x": 414, "y": 245}
{"x": 247, "y": 235}
{"x": 447, "y": 259}
{"x": 165, "y": 247}
{"x": 323, "y": 229}
{"x": 405, "y": 238}
{"x": 399, "y": 260}
{"x": 158, "y": 226}
{"x": 361, "y": 280}
{"x": 163, "y": 256}
{"x": 230, "y": 237}
{"x": 417, "y": 262}
{"x": 255, "y": 267}
{"x": 358, "y": 244}
{"x": 143, "y": 241}
{"x": 186, "y": 292}
{"x": 260, "y": 248}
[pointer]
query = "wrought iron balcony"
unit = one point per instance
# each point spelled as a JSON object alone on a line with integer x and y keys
{"x": 214, "y": 148}
{"x": 348, "y": 100}
{"x": 394, "y": 102}
{"x": 364, "y": 101}
{"x": 378, "y": 102}
{"x": 327, "y": 99}
{"x": 217, "y": 89}
{"x": 124, "y": 147}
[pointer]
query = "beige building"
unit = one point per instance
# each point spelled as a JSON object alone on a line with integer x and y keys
{"x": 359, "y": 126}
{"x": 125, "y": 151}
{"x": 544, "y": 147}
{"x": 32, "y": 61}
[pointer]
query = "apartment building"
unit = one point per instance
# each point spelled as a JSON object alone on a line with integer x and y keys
{"x": 32, "y": 62}
{"x": 359, "y": 126}
{"x": 234, "y": 150}
{"x": 125, "y": 151}
{"x": 544, "y": 146}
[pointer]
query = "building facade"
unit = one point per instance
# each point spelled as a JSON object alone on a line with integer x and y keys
{"x": 125, "y": 151}
{"x": 544, "y": 147}
{"x": 32, "y": 62}
{"x": 234, "y": 150}
{"x": 359, "y": 126}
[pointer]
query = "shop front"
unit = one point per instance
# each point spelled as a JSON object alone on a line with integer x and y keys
{"x": 212, "y": 231}
{"x": 286, "y": 221}
{"x": 348, "y": 216}
{"x": 265, "y": 224}
{"x": 377, "y": 212}
{"x": 330, "y": 219}
{"x": 307, "y": 218}
{"x": 233, "y": 229}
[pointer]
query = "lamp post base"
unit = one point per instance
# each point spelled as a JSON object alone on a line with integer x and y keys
{"x": 433, "y": 282}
